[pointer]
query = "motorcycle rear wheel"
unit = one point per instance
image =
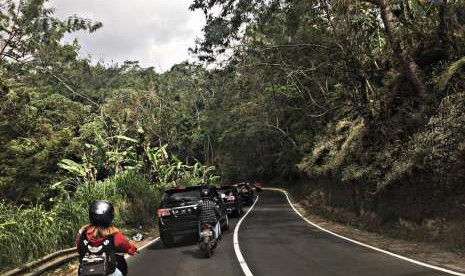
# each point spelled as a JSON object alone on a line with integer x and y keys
{"x": 206, "y": 249}
{"x": 121, "y": 264}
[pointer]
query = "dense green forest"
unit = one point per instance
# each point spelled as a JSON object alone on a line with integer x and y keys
{"x": 359, "y": 103}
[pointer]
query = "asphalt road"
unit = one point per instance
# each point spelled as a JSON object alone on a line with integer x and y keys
{"x": 274, "y": 240}
{"x": 185, "y": 259}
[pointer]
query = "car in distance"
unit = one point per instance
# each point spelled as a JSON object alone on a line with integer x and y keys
{"x": 231, "y": 199}
{"x": 246, "y": 193}
{"x": 258, "y": 186}
{"x": 178, "y": 216}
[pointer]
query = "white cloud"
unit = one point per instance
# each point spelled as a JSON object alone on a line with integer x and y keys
{"x": 155, "y": 32}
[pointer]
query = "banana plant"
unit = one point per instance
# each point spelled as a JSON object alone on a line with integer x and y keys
{"x": 80, "y": 173}
{"x": 85, "y": 171}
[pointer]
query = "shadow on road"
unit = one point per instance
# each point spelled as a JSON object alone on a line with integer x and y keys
{"x": 195, "y": 253}
{"x": 179, "y": 242}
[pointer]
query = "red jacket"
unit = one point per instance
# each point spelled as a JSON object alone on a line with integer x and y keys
{"x": 121, "y": 243}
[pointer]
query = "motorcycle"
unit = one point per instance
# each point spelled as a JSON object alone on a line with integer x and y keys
{"x": 207, "y": 242}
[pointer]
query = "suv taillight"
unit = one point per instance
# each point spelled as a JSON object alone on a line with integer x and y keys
{"x": 163, "y": 212}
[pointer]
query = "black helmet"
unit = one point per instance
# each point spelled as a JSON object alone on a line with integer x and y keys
{"x": 205, "y": 193}
{"x": 101, "y": 213}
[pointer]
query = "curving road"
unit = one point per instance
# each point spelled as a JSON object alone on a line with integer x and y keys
{"x": 274, "y": 240}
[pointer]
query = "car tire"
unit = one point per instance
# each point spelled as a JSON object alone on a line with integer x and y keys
{"x": 225, "y": 226}
{"x": 167, "y": 240}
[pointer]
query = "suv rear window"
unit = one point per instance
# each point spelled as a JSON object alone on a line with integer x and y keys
{"x": 243, "y": 186}
{"x": 226, "y": 191}
{"x": 175, "y": 198}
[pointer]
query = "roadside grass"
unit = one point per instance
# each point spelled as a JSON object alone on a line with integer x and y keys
{"x": 27, "y": 233}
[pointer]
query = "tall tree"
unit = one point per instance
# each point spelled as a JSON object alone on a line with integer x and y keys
{"x": 407, "y": 63}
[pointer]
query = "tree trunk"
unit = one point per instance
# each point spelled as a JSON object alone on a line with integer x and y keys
{"x": 408, "y": 65}
{"x": 443, "y": 32}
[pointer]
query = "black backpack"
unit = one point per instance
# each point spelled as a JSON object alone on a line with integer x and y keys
{"x": 96, "y": 261}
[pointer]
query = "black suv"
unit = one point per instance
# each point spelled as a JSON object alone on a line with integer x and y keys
{"x": 231, "y": 199}
{"x": 177, "y": 215}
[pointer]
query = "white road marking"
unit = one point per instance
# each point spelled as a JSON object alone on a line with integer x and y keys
{"x": 149, "y": 243}
{"x": 363, "y": 244}
{"x": 143, "y": 246}
{"x": 237, "y": 250}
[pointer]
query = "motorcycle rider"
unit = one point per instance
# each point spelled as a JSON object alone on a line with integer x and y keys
{"x": 209, "y": 212}
{"x": 97, "y": 235}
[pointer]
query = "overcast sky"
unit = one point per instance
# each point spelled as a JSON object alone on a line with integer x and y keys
{"x": 155, "y": 32}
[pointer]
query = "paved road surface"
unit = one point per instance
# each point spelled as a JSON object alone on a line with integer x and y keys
{"x": 186, "y": 259}
{"x": 274, "y": 240}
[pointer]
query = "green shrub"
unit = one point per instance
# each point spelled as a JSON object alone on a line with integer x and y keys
{"x": 138, "y": 200}
{"x": 29, "y": 233}
{"x": 435, "y": 150}
{"x": 335, "y": 150}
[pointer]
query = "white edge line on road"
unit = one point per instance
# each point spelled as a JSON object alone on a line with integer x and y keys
{"x": 149, "y": 243}
{"x": 237, "y": 250}
{"x": 144, "y": 246}
{"x": 363, "y": 244}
